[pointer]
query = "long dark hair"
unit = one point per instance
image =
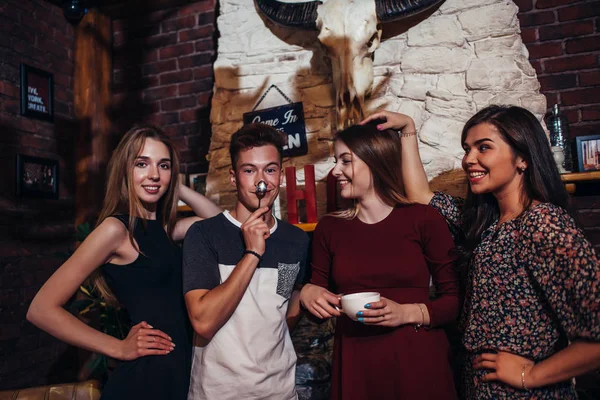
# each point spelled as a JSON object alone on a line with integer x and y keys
{"x": 541, "y": 180}
{"x": 380, "y": 150}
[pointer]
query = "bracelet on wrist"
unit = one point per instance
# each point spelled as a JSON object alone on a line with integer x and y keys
{"x": 255, "y": 254}
{"x": 418, "y": 326}
{"x": 523, "y": 385}
{"x": 407, "y": 134}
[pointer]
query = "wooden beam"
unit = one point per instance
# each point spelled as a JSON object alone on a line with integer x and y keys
{"x": 92, "y": 99}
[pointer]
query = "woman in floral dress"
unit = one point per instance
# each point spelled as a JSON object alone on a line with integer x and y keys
{"x": 531, "y": 319}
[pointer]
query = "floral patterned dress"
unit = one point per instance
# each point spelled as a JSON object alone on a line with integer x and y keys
{"x": 533, "y": 286}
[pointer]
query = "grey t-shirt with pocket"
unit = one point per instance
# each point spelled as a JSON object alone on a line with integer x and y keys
{"x": 252, "y": 354}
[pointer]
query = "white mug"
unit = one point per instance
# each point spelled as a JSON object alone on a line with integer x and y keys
{"x": 355, "y": 302}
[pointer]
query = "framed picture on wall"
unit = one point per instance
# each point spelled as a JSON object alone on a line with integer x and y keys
{"x": 588, "y": 153}
{"x": 37, "y": 93}
{"x": 198, "y": 182}
{"x": 36, "y": 177}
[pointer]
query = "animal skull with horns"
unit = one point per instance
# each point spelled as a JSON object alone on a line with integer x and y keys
{"x": 350, "y": 31}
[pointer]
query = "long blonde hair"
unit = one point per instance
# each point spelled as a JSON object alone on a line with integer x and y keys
{"x": 121, "y": 199}
{"x": 380, "y": 150}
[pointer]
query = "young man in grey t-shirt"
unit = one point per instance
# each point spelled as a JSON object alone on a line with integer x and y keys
{"x": 241, "y": 273}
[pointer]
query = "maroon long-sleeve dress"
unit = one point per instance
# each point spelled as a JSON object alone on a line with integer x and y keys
{"x": 395, "y": 257}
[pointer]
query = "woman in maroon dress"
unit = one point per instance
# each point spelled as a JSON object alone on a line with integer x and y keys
{"x": 396, "y": 349}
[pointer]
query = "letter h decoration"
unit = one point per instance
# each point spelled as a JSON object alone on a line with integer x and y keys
{"x": 308, "y": 194}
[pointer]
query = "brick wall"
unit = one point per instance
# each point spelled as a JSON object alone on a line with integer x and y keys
{"x": 35, "y": 235}
{"x": 163, "y": 74}
{"x": 563, "y": 39}
{"x": 589, "y": 215}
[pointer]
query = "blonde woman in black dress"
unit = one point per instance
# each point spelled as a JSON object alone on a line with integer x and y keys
{"x": 133, "y": 259}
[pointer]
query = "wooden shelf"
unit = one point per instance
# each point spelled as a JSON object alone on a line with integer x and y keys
{"x": 581, "y": 176}
{"x": 571, "y": 178}
{"x": 307, "y": 227}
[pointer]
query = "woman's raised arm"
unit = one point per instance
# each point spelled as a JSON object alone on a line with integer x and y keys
{"x": 200, "y": 205}
{"x": 414, "y": 178}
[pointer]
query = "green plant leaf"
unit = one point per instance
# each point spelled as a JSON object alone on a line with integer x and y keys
{"x": 85, "y": 291}
{"x": 77, "y": 306}
{"x": 96, "y": 363}
{"x": 83, "y": 230}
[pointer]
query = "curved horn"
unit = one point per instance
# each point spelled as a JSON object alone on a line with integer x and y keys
{"x": 296, "y": 15}
{"x": 390, "y": 10}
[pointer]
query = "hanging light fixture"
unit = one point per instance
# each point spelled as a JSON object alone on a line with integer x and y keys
{"x": 74, "y": 10}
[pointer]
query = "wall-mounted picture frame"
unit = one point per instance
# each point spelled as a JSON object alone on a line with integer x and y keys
{"x": 198, "y": 182}
{"x": 36, "y": 177}
{"x": 588, "y": 153}
{"x": 37, "y": 93}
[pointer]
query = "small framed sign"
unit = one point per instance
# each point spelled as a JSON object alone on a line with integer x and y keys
{"x": 198, "y": 182}
{"x": 588, "y": 153}
{"x": 37, "y": 177}
{"x": 288, "y": 118}
{"x": 37, "y": 93}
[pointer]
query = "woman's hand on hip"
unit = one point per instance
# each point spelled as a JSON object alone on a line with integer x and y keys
{"x": 505, "y": 367}
{"x": 143, "y": 340}
{"x": 320, "y": 301}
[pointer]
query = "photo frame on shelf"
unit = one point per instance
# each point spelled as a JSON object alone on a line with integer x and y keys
{"x": 37, "y": 93}
{"x": 36, "y": 177}
{"x": 197, "y": 182}
{"x": 588, "y": 153}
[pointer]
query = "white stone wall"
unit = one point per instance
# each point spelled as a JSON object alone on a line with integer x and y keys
{"x": 466, "y": 55}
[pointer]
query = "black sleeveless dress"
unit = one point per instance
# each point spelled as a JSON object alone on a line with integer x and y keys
{"x": 150, "y": 288}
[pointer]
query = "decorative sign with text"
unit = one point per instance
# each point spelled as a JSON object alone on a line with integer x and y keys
{"x": 289, "y": 119}
{"x": 37, "y": 93}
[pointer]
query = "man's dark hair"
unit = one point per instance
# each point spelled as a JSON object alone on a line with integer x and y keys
{"x": 255, "y": 135}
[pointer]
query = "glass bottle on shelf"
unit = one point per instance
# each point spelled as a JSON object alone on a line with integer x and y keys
{"x": 559, "y": 139}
